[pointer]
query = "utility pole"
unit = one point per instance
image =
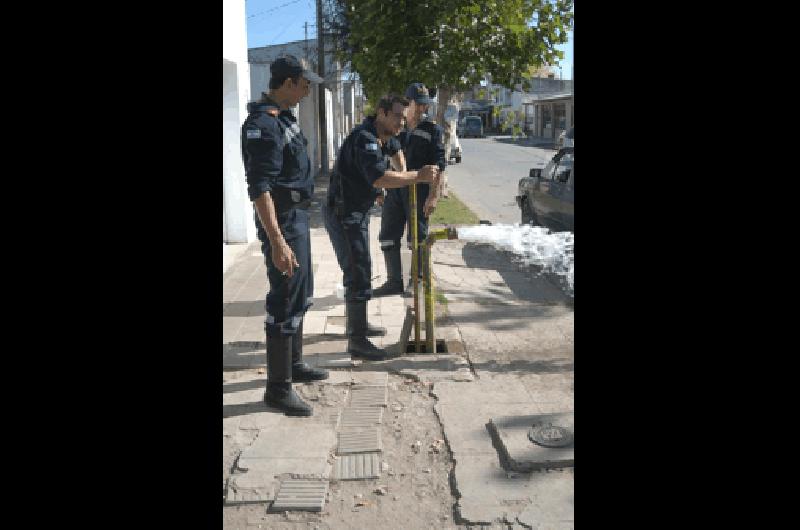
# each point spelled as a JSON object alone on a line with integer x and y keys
{"x": 323, "y": 122}
{"x": 305, "y": 40}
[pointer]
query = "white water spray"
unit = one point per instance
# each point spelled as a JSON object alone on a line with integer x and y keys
{"x": 533, "y": 245}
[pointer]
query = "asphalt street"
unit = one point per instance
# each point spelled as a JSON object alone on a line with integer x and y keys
{"x": 486, "y": 179}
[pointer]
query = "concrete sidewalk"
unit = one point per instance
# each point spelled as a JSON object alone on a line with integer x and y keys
{"x": 509, "y": 338}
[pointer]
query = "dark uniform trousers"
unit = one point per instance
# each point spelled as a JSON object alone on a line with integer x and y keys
{"x": 350, "y": 239}
{"x": 288, "y": 298}
{"x": 396, "y": 216}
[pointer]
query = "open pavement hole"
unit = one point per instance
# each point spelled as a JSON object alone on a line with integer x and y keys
{"x": 411, "y": 347}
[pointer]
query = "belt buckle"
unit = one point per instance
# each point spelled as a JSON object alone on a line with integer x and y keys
{"x": 295, "y": 196}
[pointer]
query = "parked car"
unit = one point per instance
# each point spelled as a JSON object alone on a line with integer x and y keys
{"x": 566, "y": 138}
{"x": 460, "y": 127}
{"x": 546, "y": 197}
{"x": 455, "y": 148}
{"x": 473, "y": 127}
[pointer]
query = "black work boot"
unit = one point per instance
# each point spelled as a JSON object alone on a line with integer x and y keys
{"x": 409, "y": 290}
{"x": 279, "y": 392}
{"x": 302, "y": 372}
{"x": 357, "y": 343}
{"x": 372, "y": 331}
{"x": 394, "y": 274}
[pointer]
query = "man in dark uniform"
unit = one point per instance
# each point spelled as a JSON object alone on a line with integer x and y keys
{"x": 362, "y": 168}
{"x": 422, "y": 142}
{"x": 280, "y": 184}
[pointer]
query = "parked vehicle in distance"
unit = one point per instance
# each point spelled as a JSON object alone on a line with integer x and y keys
{"x": 455, "y": 148}
{"x": 566, "y": 138}
{"x": 546, "y": 197}
{"x": 473, "y": 127}
{"x": 460, "y": 127}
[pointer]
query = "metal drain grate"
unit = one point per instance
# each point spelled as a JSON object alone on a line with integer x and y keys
{"x": 373, "y": 396}
{"x": 353, "y": 418}
{"x": 357, "y": 467}
{"x": 361, "y": 441}
{"x": 300, "y": 494}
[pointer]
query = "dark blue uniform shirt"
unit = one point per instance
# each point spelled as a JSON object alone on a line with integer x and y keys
{"x": 424, "y": 145}
{"x": 274, "y": 154}
{"x": 361, "y": 161}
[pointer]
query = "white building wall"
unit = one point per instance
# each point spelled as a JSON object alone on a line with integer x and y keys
{"x": 330, "y": 128}
{"x": 259, "y": 80}
{"x": 238, "y": 226}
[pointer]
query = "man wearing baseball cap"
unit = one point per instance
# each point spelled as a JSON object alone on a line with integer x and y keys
{"x": 280, "y": 184}
{"x": 422, "y": 145}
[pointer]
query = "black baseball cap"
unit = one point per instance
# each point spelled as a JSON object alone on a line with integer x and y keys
{"x": 419, "y": 93}
{"x": 290, "y": 66}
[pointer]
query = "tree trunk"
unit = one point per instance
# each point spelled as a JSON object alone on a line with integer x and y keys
{"x": 446, "y": 97}
{"x": 445, "y": 94}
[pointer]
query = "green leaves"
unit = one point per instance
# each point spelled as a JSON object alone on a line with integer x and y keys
{"x": 391, "y": 44}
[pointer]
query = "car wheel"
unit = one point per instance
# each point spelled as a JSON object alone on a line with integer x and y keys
{"x": 458, "y": 160}
{"x": 528, "y": 217}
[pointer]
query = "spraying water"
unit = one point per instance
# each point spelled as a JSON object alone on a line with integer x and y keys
{"x": 532, "y": 245}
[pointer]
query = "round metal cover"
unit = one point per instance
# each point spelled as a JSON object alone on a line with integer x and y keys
{"x": 550, "y": 435}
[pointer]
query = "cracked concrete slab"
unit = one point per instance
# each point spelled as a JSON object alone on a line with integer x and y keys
{"x": 487, "y": 492}
{"x": 308, "y": 446}
{"x": 247, "y": 488}
{"x": 370, "y": 379}
{"x": 331, "y": 360}
{"x": 511, "y": 434}
{"x": 430, "y": 367}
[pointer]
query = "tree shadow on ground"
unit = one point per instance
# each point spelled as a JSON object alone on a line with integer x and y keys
{"x": 419, "y": 362}
{"x": 239, "y": 386}
{"x": 544, "y": 366}
{"x": 502, "y": 317}
{"x": 528, "y": 141}
{"x": 242, "y": 409}
{"x": 252, "y": 308}
{"x": 527, "y": 282}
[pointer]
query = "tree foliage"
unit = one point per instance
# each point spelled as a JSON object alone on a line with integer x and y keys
{"x": 450, "y": 44}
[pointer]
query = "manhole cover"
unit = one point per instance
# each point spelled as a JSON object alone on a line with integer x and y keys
{"x": 550, "y": 435}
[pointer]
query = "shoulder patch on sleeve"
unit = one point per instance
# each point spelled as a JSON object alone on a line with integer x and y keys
{"x": 422, "y": 134}
{"x": 372, "y": 146}
{"x": 367, "y": 136}
{"x": 253, "y": 134}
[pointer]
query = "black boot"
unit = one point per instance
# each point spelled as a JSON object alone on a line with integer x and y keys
{"x": 279, "y": 392}
{"x": 357, "y": 343}
{"x": 302, "y": 372}
{"x": 372, "y": 331}
{"x": 394, "y": 274}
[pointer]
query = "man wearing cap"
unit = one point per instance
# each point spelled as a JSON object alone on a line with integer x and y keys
{"x": 423, "y": 144}
{"x": 280, "y": 184}
{"x": 362, "y": 169}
